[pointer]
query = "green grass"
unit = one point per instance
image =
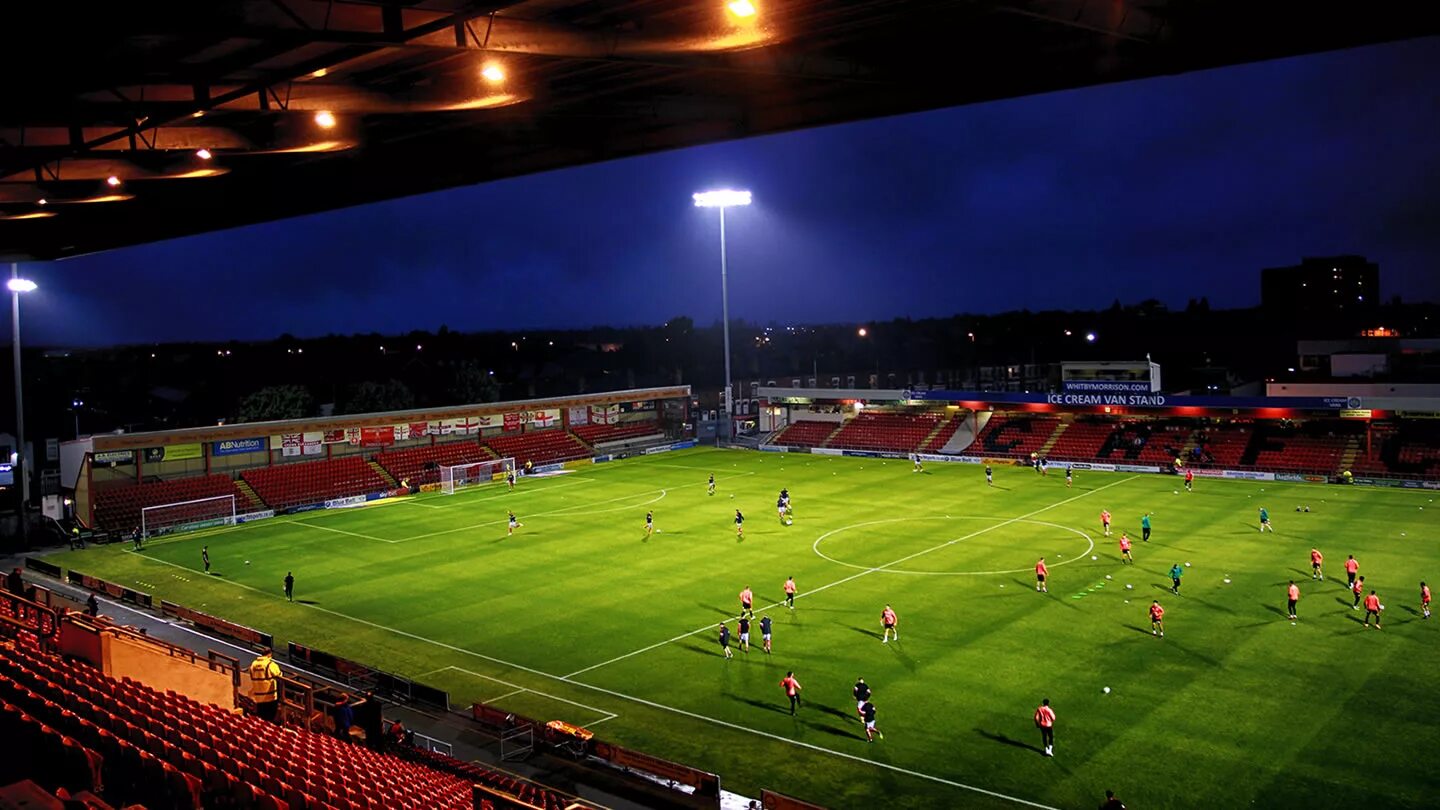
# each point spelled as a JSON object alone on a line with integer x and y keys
{"x": 1235, "y": 707}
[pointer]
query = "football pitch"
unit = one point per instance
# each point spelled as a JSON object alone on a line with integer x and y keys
{"x": 580, "y": 616}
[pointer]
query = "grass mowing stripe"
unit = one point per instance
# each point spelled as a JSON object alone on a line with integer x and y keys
{"x": 642, "y": 701}
{"x": 863, "y": 573}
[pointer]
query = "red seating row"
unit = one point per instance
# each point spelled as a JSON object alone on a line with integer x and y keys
{"x": 421, "y": 465}
{"x": 289, "y": 485}
{"x": 1015, "y": 436}
{"x": 893, "y": 432}
{"x": 596, "y": 434}
{"x": 539, "y": 446}
{"x": 1081, "y": 441}
{"x": 804, "y": 433}
{"x": 117, "y": 508}
{"x": 942, "y": 436}
{"x": 204, "y": 753}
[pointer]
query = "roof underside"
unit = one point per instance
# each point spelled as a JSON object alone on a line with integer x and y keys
{"x": 133, "y": 91}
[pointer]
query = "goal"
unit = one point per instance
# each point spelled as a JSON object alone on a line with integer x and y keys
{"x": 184, "y": 516}
{"x": 459, "y": 476}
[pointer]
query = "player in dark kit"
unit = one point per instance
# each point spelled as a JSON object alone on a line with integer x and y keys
{"x": 765, "y": 633}
{"x": 290, "y": 586}
{"x": 861, "y": 691}
{"x": 711, "y": 485}
{"x": 725, "y": 641}
{"x": 867, "y": 713}
{"x": 205, "y": 558}
{"x": 744, "y": 626}
{"x": 989, "y": 476}
{"x": 739, "y": 524}
{"x": 649, "y": 523}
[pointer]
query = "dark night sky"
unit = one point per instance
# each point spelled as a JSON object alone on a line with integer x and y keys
{"x": 1168, "y": 188}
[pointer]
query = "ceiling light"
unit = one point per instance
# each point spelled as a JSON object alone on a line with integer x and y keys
{"x": 741, "y": 8}
{"x": 493, "y": 73}
{"x": 203, "y": 154}
{"x": 28, "y": 215}
{"x": 319, "y": 73}
{"x": 112, "y": 181}
{"x": 20, "y": 285}
{"x": 42, "y": 201}
{"x": 325, "y": 119}
{"x": 198, "y": 114}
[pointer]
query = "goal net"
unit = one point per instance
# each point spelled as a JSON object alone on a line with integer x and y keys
{"x": 184, "y": 516}
{"x": 459, "y": 476}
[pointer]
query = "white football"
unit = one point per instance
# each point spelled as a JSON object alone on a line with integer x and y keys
{"x": 1176, "y": 491}
{"x": 1093, "y": 557}
{"x": 1187, "y": 565}
{"x": 1107, "y": 576}
{"x": 247, "y": 562}
{"x": 1129, "y": 587}
{"x": 1227, "y": 580}
{"x": 1382, "y": 607}
{"x": 1107, "y": 690}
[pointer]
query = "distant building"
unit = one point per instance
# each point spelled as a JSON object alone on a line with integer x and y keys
{"x": 1328, "y": 285}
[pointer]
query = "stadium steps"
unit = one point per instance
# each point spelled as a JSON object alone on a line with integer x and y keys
{"x": 588, "y": 445}
{"x": 826, "y": 441}
{"x": 1348, "y": 455}
{"x": 1189, "y": 446}
{"x": 1055, "y": 437}
{"x": 924, "y": 446}
{"x": 383, "y": 473}
{"x": 249, "y": 492}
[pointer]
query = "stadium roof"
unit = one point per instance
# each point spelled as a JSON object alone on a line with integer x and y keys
{"x": 124, "y": 123}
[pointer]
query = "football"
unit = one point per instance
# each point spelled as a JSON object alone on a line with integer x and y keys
{"x": 1107, "y": 690}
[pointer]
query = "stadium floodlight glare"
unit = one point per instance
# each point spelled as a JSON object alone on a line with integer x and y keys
{"x": 741, "y": 8}
{"x": 492, "y": 73}
{"x": 724, "y": 198}
{"x": 325, "y": 119}
{"x": 720, "y": 198}
{"x": 1090, "y": 337}
{"x": 20, "y": 285}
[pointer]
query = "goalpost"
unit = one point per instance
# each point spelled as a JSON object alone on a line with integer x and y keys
{"x": 459, "y": 476}
{"x": 184, "y": 516}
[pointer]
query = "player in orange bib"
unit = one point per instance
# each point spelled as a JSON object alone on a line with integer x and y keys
{"x": 1045, "y": 721}
{"x": 792, "y": 690}
{"x": 747, "y": 598}
{"x": 1105, "y": 521}
{"x": 1424, "y": 601}
{"x": 888, "y": 622}
{"x": 1292, "y": 595}
{"x": 1125, "y": 550}
{"x": 1352, "y": 566}
{"x": 1316, "y": 560}
{"x": 1157, "y": 619}
{"x": 1040, "y": 573}
{"x": 1358, "y": 588}
{"x": 790, "y": 592}
{"x": 1372, "y": 609}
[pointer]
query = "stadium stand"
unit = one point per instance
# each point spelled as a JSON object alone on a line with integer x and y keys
{"x": 894, "y": 432}
{"x": 1312, "y": 447}
{"x": 1083, "y": 439}
{"x": 82, "y": 730}
{"x": 1014, "y": 435}
{"x": 941, "y": 436}
{"x": 421, "y": 465}
{"x": 539, "y": 447}
{"x": 117, "y": 508}
{"x": 804, "y": 433}
{"x": 289, "y": 485}
{"x": 1409, "y": 448}
{"x": 599, "y": 434}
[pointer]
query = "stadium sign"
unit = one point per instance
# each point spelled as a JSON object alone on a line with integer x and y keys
{"x": 232, "y": 447}
{"x": 1107, "y": 386}
{"x": 1138, "y": 400}
{"x": 112, "y": 457}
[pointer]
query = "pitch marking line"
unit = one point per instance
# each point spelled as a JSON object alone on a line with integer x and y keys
{"x": 815, "y": 547}
{"x": 459, "y": 499}
{"x": 855, "y": 576}
{"x": 619, "y": 695}
{"x": 518, "y": 689}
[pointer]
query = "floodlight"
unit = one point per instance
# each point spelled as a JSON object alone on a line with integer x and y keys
{"x": 741, "y": 8}
{"x": 721, "y": 198}
{"x": 325, "y": 119}
{"x": 20, "y": 285}
{"x": 492, "y": 72}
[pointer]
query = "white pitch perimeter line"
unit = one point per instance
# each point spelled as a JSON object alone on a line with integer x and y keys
{"x": 531, "y": 489}
{"x": 643, "y": 702}
{"x": 855, "y": 576}
{"x": 518, "y": 689}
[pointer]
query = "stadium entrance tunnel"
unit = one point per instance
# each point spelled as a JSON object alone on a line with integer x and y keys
{"x": 953, "y": 545}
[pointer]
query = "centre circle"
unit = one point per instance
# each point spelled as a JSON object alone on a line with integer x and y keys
{"x": 996, "y": 524}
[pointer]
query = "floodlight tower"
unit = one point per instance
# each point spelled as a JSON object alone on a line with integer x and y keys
{"x": 17, "y": 285}
{"x": 722, "y": 199}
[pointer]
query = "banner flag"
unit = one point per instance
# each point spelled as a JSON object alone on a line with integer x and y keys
{"x": 545, "y": 417}
{"x": 371, "y": 436}
{"x": 579, "y": 416}
{"x": 512, "y": 421}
